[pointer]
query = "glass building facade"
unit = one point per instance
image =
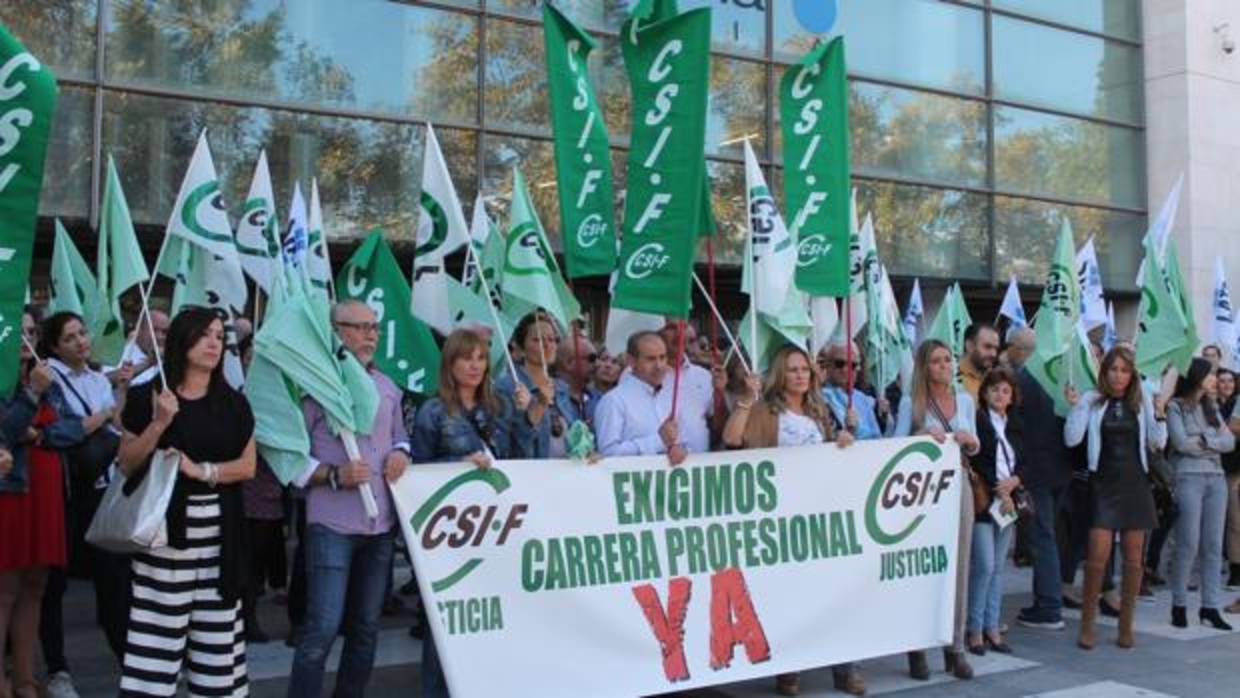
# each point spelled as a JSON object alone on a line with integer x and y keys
{"x": 976, "y": 126}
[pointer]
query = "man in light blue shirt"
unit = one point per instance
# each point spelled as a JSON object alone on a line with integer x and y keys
{"x": 862, "y": 418}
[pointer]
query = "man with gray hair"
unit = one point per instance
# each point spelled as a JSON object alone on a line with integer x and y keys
{"x": 861, "y": 418}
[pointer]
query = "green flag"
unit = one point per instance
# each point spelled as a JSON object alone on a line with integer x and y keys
{"x": 74, "y": 288}
{"x": 27, "y": 104}
{"x": 668, "y": 63}
{"x": 119, "y": 267}
{"x": 1056, "y": 322}
{"x": 407, "y": 352}
{"x": 531, "y": 273}
{"x": 951, "y": 321}
{"x": 1175, "y": 282}
{"x": 814, "y": 113}
{"x": 582, "y": 154}
{"x": 1163, "y": 331}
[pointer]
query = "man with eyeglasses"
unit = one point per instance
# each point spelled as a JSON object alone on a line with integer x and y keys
{"x": 861, "y": 419}
{"x": 348, "y": 554}
{"x": 575, "y": 366}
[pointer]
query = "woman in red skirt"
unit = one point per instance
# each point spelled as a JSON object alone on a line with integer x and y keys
{"x": 32, "y": 511}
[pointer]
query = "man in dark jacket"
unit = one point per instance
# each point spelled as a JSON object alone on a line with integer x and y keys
{"x": 1046, "y": 473}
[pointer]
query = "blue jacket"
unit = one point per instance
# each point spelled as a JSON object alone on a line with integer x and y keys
{"x": 439, "y": 436}
{"x": 563, "y": 407}
{"x": 16, "y": 415}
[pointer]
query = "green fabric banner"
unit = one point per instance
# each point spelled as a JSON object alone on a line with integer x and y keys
{"x": 119, "y": 266}
{"x": 1165, "y": 336}
{"x": 1056, "y": 323}
{"x": 407, "y": 352}
{"x": 668, "y": 63}
{"x": 582, "y": 155}
{"x": 27, "y": 104}
{"x": 814, "y": 113}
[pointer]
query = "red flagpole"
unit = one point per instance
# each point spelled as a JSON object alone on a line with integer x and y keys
{"x": 680, "y": 351}
{"x": 849, "y": 345}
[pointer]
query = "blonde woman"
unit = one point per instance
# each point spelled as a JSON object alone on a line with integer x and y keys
{"x": 940, "y": 409}
{"x": 788, "y": 410}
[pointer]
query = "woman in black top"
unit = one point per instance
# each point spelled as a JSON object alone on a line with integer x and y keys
{"x": 1231, "y": 468}
{"x": 186, "y": 596}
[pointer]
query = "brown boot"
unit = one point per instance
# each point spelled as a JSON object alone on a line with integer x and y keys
{"x": 848, "y": 679}
{"x": 788, "y": 684}
{"x": 1090, "y": 592}
{"x": 1129, "y": 587}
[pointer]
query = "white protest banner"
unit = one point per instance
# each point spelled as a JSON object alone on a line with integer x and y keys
{"x": 628, "y": 577}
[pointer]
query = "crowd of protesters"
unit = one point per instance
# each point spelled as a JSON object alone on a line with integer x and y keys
{"x": 1135, "y": 462}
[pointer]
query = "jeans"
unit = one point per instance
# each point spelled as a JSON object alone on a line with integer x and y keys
{"x": 990, "y": 549}
{"x": 342, "y": 572}
{"x": 1047, "y": 590}
{"x": 1202, "y": 501}
{"x": 434, "y": 685}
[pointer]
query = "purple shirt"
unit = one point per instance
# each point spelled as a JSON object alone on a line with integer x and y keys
{"x": 341, "y": 510}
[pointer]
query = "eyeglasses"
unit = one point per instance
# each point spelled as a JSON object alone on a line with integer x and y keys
{"x": 841, "y": 363}
{"x": 591, "y": 358}
{"x": 363, "y": 327}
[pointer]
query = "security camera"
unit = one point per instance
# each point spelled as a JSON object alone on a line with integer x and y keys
{"x": 1227, "y": 43}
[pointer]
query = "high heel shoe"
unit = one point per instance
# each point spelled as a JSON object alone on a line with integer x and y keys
{"x": 1179, "y": 616}
{"x": 1210, "y": 616}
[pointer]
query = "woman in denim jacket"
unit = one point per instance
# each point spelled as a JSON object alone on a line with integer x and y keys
{"x": 552, "y": 410}
{"x": 1198, "y": 437}
{"x": 34, "y": 423}
{"x": 467, "y": 421}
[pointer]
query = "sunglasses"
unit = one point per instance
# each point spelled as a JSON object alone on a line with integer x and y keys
{"x": 840, "y": 363}
{"x": 363, "y": 327}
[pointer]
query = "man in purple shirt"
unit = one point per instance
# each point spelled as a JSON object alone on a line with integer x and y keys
{"x": 348, "y": 553}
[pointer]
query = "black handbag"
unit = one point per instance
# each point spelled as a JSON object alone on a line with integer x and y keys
{"x": 88, "y": 460}
{"x": 1164, "y": 498}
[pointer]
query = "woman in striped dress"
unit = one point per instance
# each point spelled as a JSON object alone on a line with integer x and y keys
{"x": 186, "y": 610}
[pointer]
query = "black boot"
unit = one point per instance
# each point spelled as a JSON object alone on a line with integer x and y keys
{"x": 1179, "y": 616}
{"x": 918, "y": 667}
{"x": 1211, "y": 617}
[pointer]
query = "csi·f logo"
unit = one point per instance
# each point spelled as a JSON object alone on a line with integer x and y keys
{"x": 470, "y": 526}
{"x": 646, "y": 260}
{"x": 911, "y": 481}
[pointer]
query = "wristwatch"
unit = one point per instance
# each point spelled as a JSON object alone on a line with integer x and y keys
{"x": 333, "y": 477}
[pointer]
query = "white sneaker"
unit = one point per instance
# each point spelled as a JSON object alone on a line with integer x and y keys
{"x": 60, "y": 685}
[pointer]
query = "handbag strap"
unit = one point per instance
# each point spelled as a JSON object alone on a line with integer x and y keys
{"x": 938, "y": 414}
{"x": 86, "y": 410}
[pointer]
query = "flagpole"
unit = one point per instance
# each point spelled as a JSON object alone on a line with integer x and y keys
{"x": 349, "y": 439}
{"x": 722, "y": 324}
{"x": 150, "y": 326}
{"x": 849, "y": 347}
{"x": 486, "y": 290}
{"x": 146, "y": 296}
{"x": 680, "y": 352}
{"x": 33, "y": 352}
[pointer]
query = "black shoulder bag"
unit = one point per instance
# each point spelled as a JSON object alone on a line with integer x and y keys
{"x": 90, "y": 459}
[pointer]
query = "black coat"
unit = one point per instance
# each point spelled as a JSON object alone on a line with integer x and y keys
{"x": 1047, "y": 462}
{"x": 984, "y": 462}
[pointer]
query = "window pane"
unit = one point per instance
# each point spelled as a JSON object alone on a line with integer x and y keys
{"x": 928, "y": 232}
{"x": 314, "y": 52}
{"x": 536, "y": 158}
{"x": 516, "y": 90}
{"x": 727, "y": 188}
{"x": 1050, "y": 155}
{"x": 1026, "y": 231}
{"x": 1118, "y": 17}
{"x": 368, "y": 171}
{"x": 737, "y": 107}
{"x": 596, "y": 15}
{"x": 611, "y": 86}
{"x": 67, "y": 169}
{"x": 1067, "y": 71}
{"x": 914, "y": 41}
{"x": 736, "y": 27}
{"x": 60, "y": 33}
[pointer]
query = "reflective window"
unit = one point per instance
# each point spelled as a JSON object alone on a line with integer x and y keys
{"x": 60, "y": 33}
{"x": 1026, "y": 232}
{"x": 611, "y": 87}
{"x": 928, "y": 232}
{"x": 1038, "y": 153}
{"x": 737, "y": 26}
{"x": 596, "y": 15}
{"x": 67, "y": 167}
{"x": 368, "y": 171}
{"x": 311, "y": 52}
{"x": 516, "y": 70}
{"x": 727, "y": 187}
{"x": 915, "y": 41}
{"x": 737, "y": 107}
{"x": 1117, "y": 17}
{"x": 1067, "y": 71}
{"x": 536, "y": 158}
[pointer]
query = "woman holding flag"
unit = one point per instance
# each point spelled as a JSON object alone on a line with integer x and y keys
{"x": 34, "y": 422}
{"x": 186, "y": 595}
{"x": 788, "y": 410}
{"x": 468, "y": 421}
{"x": 940, "y": 409}
{"x": 1120, "y": 424}
{"x": 552, "y": 410}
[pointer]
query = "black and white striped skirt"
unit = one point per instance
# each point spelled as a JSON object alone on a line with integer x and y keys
{"x": 178, "y": 620}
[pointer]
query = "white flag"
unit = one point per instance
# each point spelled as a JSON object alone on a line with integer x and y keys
{"x": 296, "y": 238}
{"x": 774, "y": 252}
{"x": 825, "y": 315}
{"x": 1223, "y": 327}
{"x": 1160, "y": 228}
{"x": 914, "y": 314}
{"x": 441, "y": 231}
{"x": 318, "y": 260}
{"x": 1093, "y": 307}
{"x": 258, "y": 232}
{"x": 199, "y": 231}
{"x": 1012, "y": 308}
{"x": 863, "y": 274}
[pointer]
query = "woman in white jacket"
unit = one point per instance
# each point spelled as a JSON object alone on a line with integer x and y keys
{"x": 1120, "y": 424}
